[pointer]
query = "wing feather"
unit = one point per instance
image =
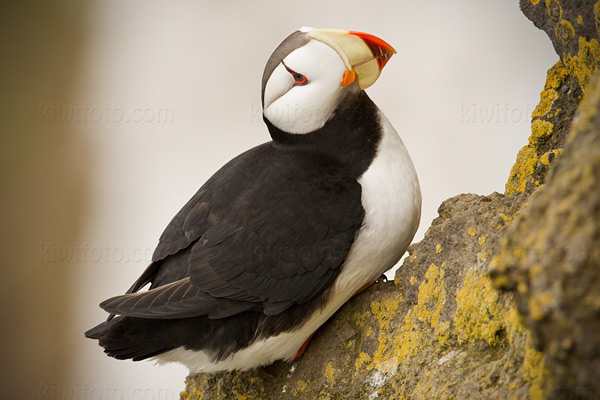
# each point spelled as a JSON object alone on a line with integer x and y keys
{"x": 241, "y": 246}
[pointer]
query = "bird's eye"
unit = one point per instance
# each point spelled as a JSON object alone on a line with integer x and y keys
{"x": 299, "y": 79}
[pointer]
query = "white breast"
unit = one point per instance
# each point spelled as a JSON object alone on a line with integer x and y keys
{"x": 391, "y": 198}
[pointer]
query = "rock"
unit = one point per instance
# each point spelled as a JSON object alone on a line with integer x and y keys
{"x": 550, "y": 258}
{"x": 573, "y": 30}
{"x": 501, "y": 299}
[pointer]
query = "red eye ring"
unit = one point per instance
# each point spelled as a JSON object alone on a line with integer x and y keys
{"x": 299, "y": 79}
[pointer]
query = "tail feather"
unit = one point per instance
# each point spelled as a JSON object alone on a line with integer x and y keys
{"x": 141, "y": 338}
{"x": 131, "y": 338}
{"x": 96, "y": 332}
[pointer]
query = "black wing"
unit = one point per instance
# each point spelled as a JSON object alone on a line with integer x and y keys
{"x": 269, "y": 230}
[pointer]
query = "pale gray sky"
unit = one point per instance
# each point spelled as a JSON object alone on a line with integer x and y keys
{"x": 187, "y": 75}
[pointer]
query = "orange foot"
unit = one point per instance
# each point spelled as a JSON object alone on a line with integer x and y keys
{"x": 305, "y": 345}
{"x": 302, "y": 349}
{"x": 382, "y": 278}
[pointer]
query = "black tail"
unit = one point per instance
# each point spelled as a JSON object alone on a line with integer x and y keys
{"x": 132, "y": 338}
{"x": 140, "y": 338}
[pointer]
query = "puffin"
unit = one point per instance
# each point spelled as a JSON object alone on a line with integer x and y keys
{"x": 283, "y": 235}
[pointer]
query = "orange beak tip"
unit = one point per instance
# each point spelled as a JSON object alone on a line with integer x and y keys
{"x": 379, "y": 47}
{"x": 348, "y": 78}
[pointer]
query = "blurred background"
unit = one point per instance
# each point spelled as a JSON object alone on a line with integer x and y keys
{"x": 114, "y": 113}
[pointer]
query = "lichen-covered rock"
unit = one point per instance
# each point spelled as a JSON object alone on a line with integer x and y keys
{"x": 551, "y": 259}
{"x": 573, "y": 28}
{"x": 452, "y": 326}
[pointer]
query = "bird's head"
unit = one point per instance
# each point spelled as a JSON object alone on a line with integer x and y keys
{"x": 312, "y": 70}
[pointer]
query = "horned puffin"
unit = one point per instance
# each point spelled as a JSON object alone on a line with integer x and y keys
{"x": 278, "y": 239}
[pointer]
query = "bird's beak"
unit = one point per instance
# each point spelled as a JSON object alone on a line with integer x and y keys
{"x": 364, "y": 55}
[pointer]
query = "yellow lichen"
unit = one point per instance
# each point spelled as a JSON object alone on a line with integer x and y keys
{"x": 478, "y": 316}
{"x": 471, "y": 231}
{"x": 420, "y": 323}
{"x": 482, "y": 239}
{"x": 554, "y": 9}
{"x": 524, "y": 167}
{"x": 540, "y": 304}
{"x": 438, "y": 248}
{"x": 504, "y": 217}
{"x": 556, "y": 76}
{"x": 527, "y": 158}
{"x": 554, "y": 113}
{"x": 585, "y": 63}
{"x": 384, "y": 310}
{"x": 363, "y": 358}
{"x": 330, "y": 374}
{"x": 540, "y": 129}
{"x": 513, "y": 323}
{"x": 586, "y": 113}
{"x": 535, "y": 372}
{"x": 484, "y": 255}
{"x": 547, "y": 98}
{"x": 580, "y": 20}
{"x": 564, "y": 31}
{"x": 522, "y": 288}
{"x": 413, "y": 280}
{"x": 545, "y": 158}
{"x": 431, "y": 300}
{"x": 301, "y": 386}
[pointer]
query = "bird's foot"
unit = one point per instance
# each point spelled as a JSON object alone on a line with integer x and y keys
{"x": 382, "y": 278}
{"x": 301, "y": 350}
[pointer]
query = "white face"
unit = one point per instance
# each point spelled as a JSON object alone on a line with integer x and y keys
{"x": 305, "y": 107}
